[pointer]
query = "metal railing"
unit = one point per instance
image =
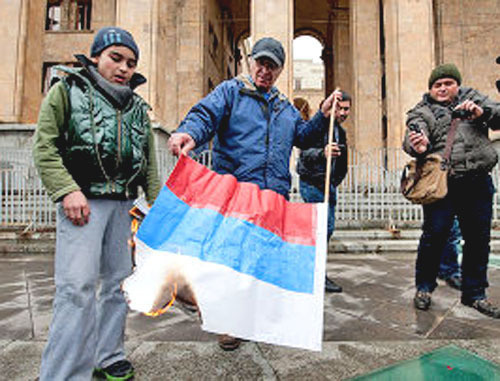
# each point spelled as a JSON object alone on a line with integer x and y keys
{"x": 369, "y": 195}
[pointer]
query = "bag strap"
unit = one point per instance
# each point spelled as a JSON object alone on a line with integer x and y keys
{"x": 450, "y": 138}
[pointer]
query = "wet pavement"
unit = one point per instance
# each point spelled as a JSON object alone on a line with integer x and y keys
{"x": 371, "y": 324}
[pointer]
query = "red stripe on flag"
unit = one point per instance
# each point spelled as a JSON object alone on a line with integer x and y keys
{"x": 200, "y": 187}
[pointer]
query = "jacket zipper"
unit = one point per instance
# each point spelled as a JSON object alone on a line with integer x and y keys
{"x": 119, "y": 145}
{"x": 268, "y": 132}
{"x": 119, "y": 118}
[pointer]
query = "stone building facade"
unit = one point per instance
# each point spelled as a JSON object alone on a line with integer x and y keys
{"x": 380, "y": 51}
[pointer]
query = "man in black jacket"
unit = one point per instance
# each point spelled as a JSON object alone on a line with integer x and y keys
{"x": 470, "y": 186}
{"x": 311, "y": 168}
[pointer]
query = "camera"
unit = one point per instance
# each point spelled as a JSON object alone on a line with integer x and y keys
{"x": 498, "y": 82}
{"x": 415, "y": 128}
{"x": 461, "y": 114}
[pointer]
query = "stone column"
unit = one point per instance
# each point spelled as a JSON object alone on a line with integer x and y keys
{"x": 366, "y": 71}
{"x": 275, "y": 19}
{"x": 409, "y": 52}
{"x": 327, "y": 55}
{"x": 342, "y": 64}
{"x": 137, "y": 16}
{"x": 191, "y": 37}
{"x": 31, "y": 69}
{"x": 13, "y": 40}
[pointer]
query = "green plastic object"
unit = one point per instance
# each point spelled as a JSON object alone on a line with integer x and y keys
{"x": 447, "y": 363}
{"x": 494, "y": 261}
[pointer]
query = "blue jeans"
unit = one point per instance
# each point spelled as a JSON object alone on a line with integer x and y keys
{"x": 310, "y": 193}
{"x": 88, "y": 322}
{"x": 449, "y": 260}
{"x": 470, "y": 199}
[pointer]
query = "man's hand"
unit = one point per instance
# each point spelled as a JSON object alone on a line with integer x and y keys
{"x": 326, "y": 107}
{"x": 334, "y": 149}
{"x": 181, "y": 143}
{"x": 475, "y": 110}
{"x": 76, "y": 208}
{"x": 418, "y": 141}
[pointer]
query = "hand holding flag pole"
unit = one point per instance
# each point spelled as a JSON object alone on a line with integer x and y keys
{"x": 329, "y": 149}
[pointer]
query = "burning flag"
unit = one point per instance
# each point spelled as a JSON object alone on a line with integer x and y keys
{"x": 250, "y": 261}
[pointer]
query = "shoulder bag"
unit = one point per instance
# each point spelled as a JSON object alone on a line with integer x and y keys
{"x": 425, "y": 180}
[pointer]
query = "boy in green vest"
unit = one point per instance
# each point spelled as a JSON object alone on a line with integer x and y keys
{"x": 93, "y": 149}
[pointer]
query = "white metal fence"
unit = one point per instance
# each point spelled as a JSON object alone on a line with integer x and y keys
{"x": 368, "y": 196}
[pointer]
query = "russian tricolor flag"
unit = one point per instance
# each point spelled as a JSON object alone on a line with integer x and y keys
{"x": 253, "y": 262}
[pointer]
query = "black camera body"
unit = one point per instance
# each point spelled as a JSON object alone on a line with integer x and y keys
{"x": 498, "y": 82}
{"x": 461, "y": 114}
{"x": 415, "y": 128}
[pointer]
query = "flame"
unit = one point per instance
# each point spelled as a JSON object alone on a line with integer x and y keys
{"x": 134, "y": 226}
{"x": 166, "y": 307}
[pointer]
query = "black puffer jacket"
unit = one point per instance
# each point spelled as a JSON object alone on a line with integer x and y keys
{"x": 311, "y": 166}
{"x": 472, "y": 150}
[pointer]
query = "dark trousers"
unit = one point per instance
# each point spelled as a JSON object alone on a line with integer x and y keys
{"x": 449, "y": 260}
{"x": 470, "y": 199}
{"x": 310, "y": 193}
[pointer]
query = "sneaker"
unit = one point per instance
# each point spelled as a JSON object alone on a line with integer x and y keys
{"x": 484, "y": 306}
{"x": 454, "y": 281}
{"x": 422, "y": 300}
{"x": 118, "y": 371}
{"x": 331, "y": 286}
{"x": 228, "y": 343}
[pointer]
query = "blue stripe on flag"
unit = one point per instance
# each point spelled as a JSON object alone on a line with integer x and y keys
{"x": 174, "y": 226}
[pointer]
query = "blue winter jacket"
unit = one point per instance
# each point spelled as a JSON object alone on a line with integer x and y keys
{"x": 254, "y": 136}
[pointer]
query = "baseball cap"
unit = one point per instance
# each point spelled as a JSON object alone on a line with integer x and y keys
{"x": 270, "y": 48}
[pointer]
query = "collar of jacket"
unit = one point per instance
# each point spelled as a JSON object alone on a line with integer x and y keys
{"x": 118, "y": 95}
{"x": 136, "y": 80}
{"x": 249, "y": 88}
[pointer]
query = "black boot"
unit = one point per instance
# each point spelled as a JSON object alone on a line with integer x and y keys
{"x": 331, "y": 286}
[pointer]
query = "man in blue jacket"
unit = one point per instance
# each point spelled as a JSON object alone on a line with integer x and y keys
{"x": 254, "y": 127}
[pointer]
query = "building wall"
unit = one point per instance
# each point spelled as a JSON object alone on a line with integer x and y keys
{"x": 13, "y": 29}
{"x": 176, "y": 44}
{"x": 308, "y": 82}
{"x": 467, "y": 34}
{"x": 219, "y": 45}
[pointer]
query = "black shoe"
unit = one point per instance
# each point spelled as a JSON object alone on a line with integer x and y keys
{"x": 484, "y": 306}
{"x": 454, "y": 281}
{"x": 228, "y": 343}
{"x": 331, "y": 286}
{"x": 118, "y": 371}
{"x": 422, "y": 300}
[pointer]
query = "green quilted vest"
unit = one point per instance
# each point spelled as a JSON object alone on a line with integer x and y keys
{"x": 106, "y": 149}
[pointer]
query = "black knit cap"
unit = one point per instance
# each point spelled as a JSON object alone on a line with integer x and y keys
{"x": 448, "y": 70}
{"x": 270, "y": 48}
{"x": 113, "y": 35}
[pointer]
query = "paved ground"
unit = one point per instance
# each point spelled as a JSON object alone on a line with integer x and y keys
{"x": 372, "y": 324}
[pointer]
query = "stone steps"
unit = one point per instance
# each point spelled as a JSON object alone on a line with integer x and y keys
{"x": 377, "y": 241}
{"x": 344, "y": 241}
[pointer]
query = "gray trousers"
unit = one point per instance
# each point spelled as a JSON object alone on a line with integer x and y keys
{"x": 89, "y": 311}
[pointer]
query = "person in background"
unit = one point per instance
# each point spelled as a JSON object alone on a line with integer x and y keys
{"x": 311, "y": 168}
{"x": 254, "y": 127}
{"x": 93, "y": 149}
{"x": 470, "y": 187}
